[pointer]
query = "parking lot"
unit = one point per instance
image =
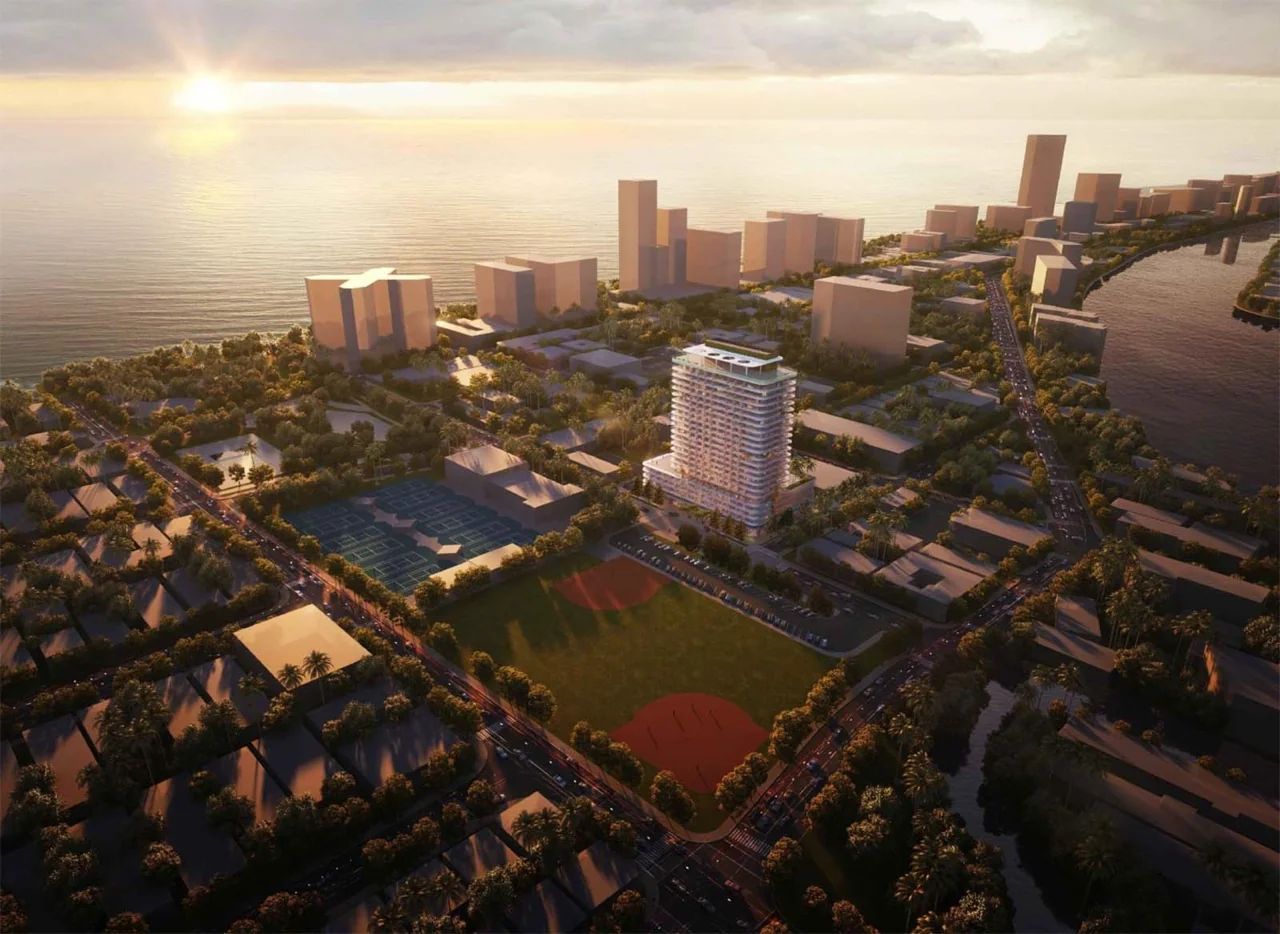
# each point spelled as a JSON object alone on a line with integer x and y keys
{"x": 854, "y": 621}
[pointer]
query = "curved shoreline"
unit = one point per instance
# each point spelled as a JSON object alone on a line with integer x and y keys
{"x": 1161, "y": 248}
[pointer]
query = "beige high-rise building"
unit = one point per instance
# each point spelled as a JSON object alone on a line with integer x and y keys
{"x": 966, "y": 219}
{"x": 1024, "y": 261}
{"x": 561, "y": 283}
{"x": 1127, "y": 202}
{"x": 1183, "y": 199}
{"x": 1103, "y": 189}
{"x": 839, "y": 240}
{"x": 1054, "y": 279}
{"x": 506, "y": 293}
{"x": 1154, "y": 204}
{"x": 865, "y": 314}
{"x": 1244, "y": 198}
{"x": 1040, "y": 227}
{"x": 764, "y": 249}
{"x": 1010, "y": 217}
{"x": 1041, "y": 170}
{"x": 637, "y": 233}
{"x": 802, "y": 239}
{"x": 943, "y": 221}
{"x": 922, "y": 241}
{"x": 715, "y": 258}
{"x": 370, "y": 315}
{"x": 1212, "y": 188}
{"x": 673, "y": 226}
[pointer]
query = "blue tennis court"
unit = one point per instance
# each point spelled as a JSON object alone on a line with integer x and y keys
{"x": 349, "y": 529}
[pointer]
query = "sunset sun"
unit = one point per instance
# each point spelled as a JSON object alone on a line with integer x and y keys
{"x": 204, "y": 94}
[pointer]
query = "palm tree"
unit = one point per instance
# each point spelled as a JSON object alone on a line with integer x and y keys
{"x": 290, "y": 676}
{"x": 316, "y": 665}
{"x": 250, "y": 447}
{"x": 1191, "y": 626}
{"x": 253, "y": 686}
{"x": 1096, "y": 854}
{"x": 1068, "y": 677}
{"x": 909, "y": 889}
{"x": 446, "y": 888}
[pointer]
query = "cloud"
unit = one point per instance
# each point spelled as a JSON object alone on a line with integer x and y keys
{"x": 621, "y": 39}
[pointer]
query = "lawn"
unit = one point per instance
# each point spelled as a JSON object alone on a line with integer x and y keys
{"x": 604, "y": 665}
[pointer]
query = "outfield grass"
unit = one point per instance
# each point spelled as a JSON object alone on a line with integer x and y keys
{"x": 603, "y": 666}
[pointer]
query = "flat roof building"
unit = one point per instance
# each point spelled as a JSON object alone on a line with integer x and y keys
{"x": 369, "y": 315}
{"x": 1095, "y": 661}
{"x": 886, "y": 448}
{"x": 764, "y": 249}
{"x": 1249, "y": 686}
{"x": 714, "y": 257}
{"x": 943, "y": 221}
{"x": 731, "y": 416}
{"x": 1079, "y": 217}
{"x": 1222, "y": 550}
{"x": 596, "y": 875}
{"x": 637, "y": 233}
{"x": 923, "y": 241}
{"x": 1024, "y": 259}
{"x": 994, "y": 534}
{"x": 1054, "y": 279}
{"x": 863, "y": 314}
{"x": 561, "y": 283}
{"x": 966, "y": 220}
{"x": 839, "y": 240}
{"x": 802, "y": 240}
{"x": 1071, "y": 332}
{"x": 506, "y": 293}
{"x": 1078, "y": 615}
{"x": 1198, "y": 588}
{"x": 1102, "y": 189}
{"x": 1010, "y": 217}
{"x": 1041, "y": 171}
{"x": 604, "y": 362}
{"x": 289, "y": 638}
{"x": 961, "y": 304}
{"x": 488, "y": 474}
{"x": 933, "y": 583}
{"x": 673, "y": 245}
{"x": 1040, "y": 227}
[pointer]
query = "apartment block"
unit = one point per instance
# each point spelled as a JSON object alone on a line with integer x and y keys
{"x": 561, "y": 284}
{"x": 506, "y": 293}
{"x": 1103, "y": 189}
{"x": 1127, "y": 203}
{"x": 373, "y": 314}
{"x": 1024, "y": 260}
{"x": 1153, "y": 205}
{"x": 1054, "y": 279}
{"x": 1010, "y": 217}
{"x": 839, "y": 240}
{"x": 1078, "y": 217}
{"x": 764, "y": 248}
{"x": 1040, "y": 227}
{"x": 673, "y": 227}
{"x": 802, "y": 239}
{"x": 637, "y": 233}
{"x": 1041, "y": 171}
{"x": 943, "y": 221}
{"x": 732, "y": 410}
{"x": 714, "y": 258}
{"x": 966, "y": 220}
{"x": 922, "y": 241}
{"x": 866, "y": 314}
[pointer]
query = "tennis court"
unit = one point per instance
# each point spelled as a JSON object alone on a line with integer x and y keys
{"x": 349, "y": 528}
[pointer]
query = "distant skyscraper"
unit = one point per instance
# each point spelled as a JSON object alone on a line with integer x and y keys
{"x": 866, "y": 314}
{"x": 637, "y": 233}
{"x": 673, "y": 232}
{"x": 1103, "y": 189}
{"x": 506, "y": 293}
{"x": 1041, "y": 169}
{"x": 715, "y": 258}
{"x": 561, "y": 282}
{"x": 732, "y": 411}
{"x": 802, "y": 239}
{"x": 764, "y": 248}
{"x": 370, "y": 315}
{"x": 839, "y": 240}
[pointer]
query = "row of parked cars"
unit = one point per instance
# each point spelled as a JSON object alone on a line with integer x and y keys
{"x": 656, "y": 559}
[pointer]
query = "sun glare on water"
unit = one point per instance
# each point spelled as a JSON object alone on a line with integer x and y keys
{"x": 204, "y": 94}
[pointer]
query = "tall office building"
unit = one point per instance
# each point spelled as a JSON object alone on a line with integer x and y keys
{"x": 673, "y": 234}
{"x": 715, "y": 258}
{"x": 866, "y": 314}
{"x": 1041, "y": 169}
{"x": 637, "y": 233}
{"x": 802, "y": 239}
{"x": 732, "y": 410}
{"x": 943, "y": 221}
{"x": 839, "y": 240}
{"x": 764, "y": 248}
{"x": 506, "y": 293}
{"x": 561, "y": 283}
{"x": 370, "y": 315}
{"x": 1103, "y": 189}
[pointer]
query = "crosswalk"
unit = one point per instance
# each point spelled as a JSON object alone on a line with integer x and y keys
{"x": 743, "y": 837}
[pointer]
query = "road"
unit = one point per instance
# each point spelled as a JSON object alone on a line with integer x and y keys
{"x": 1071, "y": 522}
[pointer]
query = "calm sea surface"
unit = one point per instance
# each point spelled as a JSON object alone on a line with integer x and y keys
{"x": 1206, "y": 385}
{"x": 119, "y": 236}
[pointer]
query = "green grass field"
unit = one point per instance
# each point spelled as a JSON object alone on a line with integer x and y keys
{"x": 603, "y": 666}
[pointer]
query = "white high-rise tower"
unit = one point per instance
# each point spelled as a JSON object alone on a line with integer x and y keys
{"x": 732, "y": 409}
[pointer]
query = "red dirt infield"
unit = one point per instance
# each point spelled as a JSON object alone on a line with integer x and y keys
{"x": 616, "y": 584}
{"x": 699, "y": 737}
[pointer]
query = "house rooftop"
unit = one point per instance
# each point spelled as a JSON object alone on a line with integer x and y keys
{"x": 485, "y": 460}
{"x": 873, "y": 437}
{"x": 1078, "y": 648}
{"x": 930, "y": 577}
{"x": 1012, "y": 530}
{"x": 1241, "y": 675}
{"x": 1077, "y": 615}
{"x": 597, "y": 875}
{"x": 1185, "y": 570}
{"x": 290, "y": 637}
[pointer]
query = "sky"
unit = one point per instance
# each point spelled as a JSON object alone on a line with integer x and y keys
{"x": 646, "y": 58}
